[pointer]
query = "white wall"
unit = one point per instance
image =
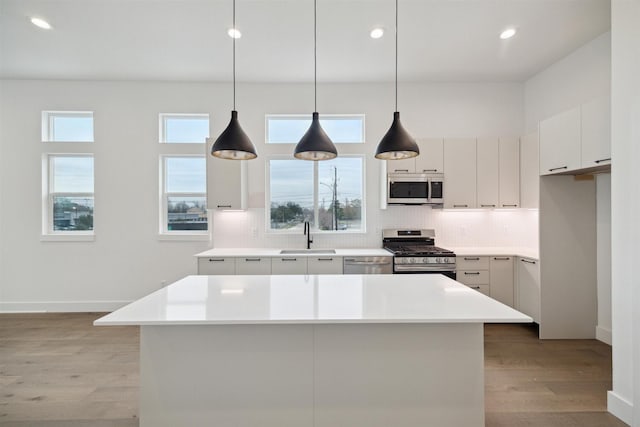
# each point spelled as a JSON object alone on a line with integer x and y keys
{"x": 624, "y": 399}
{"x": 127, "y": 260}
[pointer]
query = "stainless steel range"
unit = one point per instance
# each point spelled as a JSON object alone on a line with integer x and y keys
{"x": 414, "y": 252}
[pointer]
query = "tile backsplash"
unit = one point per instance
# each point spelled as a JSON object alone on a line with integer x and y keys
{"x": 503, "y": 228}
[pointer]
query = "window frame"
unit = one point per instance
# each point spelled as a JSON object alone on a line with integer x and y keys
{"x": 322, "y": 118}
{"x": 316, "y": 185}
{"x": 164, "y": 232}
{"x": 162, "y": 126}
{"x": 48, "y": 197}
{"x": 48, "y": 128}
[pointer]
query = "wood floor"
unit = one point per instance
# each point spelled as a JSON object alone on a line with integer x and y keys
{"x": 57, "y": 370}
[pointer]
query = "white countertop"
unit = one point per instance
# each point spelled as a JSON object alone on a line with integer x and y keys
{"x": 275, "y": 252}
{"x": 499, "y": 251}
{"x": 313, "y": 299}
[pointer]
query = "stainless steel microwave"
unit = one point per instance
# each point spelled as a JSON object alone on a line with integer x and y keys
{"x": 415, "y": 189}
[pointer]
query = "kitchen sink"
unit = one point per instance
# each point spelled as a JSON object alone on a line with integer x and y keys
{"x": 308, "y": 251}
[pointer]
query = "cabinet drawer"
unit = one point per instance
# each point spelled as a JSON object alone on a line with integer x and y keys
{"x": 471, "y": 262}
{"x": 251, "y": 265}
{"x": 289, "y": 265}
{"x": 216, "y": 265}
{"x": 473, "y": 277}
{"x": 483, "y": 289}
{"x": 324, "y": 265}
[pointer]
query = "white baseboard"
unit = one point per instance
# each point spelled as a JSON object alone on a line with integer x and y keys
{"x": 620, "y": 407}
{"x": 61, "y": 307}
{"x": 603, "y": 334}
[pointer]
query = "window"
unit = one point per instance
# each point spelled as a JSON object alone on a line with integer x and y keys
{"x": 67, "y": 126}
{"x": 184, "y": 200}
{"x": 328, "y": 194}
{"x": 184, "y": 128}
{"x": 69, "y": 198}
{"x": 340, "y": 128}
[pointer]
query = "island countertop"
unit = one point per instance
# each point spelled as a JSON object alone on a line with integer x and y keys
{"x": 313, "y": 299}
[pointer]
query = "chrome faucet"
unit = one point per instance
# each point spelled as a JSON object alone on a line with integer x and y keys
{"x": 307, "y": 232}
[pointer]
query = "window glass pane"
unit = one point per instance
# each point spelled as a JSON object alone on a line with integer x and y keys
{"x": 185, "y": 129}
{"x": 291, "y": 189}
{"x": 289, "y": 130}
{"x": 186, "y": 213}
{"x": 71, "y": 127}
{"x": 72, "y": 213}
{"x": 340, "y": 194}
{"x": 186, "y": 175}
{"x": 72, "y": 174}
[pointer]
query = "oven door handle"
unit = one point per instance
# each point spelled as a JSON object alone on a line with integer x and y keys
{"x": 400, "y": 267}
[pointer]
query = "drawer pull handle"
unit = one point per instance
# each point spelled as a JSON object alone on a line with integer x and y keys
{"x": 557, "y": 169}
{"x": 472, "y": 273}
{"x": 325, "y": 259}
{"x": 527, "y": 261}
{"x": 429, "y": 170}
{"x": 475, "y": 287}
{"x": 487, "y": 206}
{"x": 603, "y": 160}
{"x": 252, "y": 259}
{"x": 471, "y": 258}
{"x": 401, "y": 170}
{"x": 288, "y": 259}
{"x": 216, "y": 259}
{"x": 509, "y": 206}
{"x": 460, "y": 206}
{"x": 224, "y": 206}
{"x": 501, "y": 258}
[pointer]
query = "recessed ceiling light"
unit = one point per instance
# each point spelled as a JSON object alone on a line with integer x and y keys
{"x": 376, "y": 33}
{"x": 39, "y": 22}
{"x": 508, "y": 33}
{"x": 234, "y": 33}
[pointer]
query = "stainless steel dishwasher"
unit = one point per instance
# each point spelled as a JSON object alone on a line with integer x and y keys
{"x": 368, "y": 265}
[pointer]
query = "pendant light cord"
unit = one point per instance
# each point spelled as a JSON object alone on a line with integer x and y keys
{"x": 315, "y": 56}
{"x": 396, "y": 55}
{"x": 234, "y": 55}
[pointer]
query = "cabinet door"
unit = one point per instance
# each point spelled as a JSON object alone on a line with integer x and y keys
{"x": 473, "y": 277}
{"x": 528, "y": 288}
{"x": 460, "y": 173}
{"x": 471, "y": 262}
{"x": 324, "y": 265}
{"x": 560, "y": 143}
{"x": 226, "y": 183}
{"x": 596, "y": 132}
{"x": 488, "y": 158}
{"x": 401, "y": 166}
{"x": 501, "y": 279}
{"x": 431, "y": 158}
{"x": 509, "y": 173}
{"x": 253, "y": 265}
{"x": 529, "y": 171}
{"x": 216, "y": 265}
{"x": 289, "y": 265}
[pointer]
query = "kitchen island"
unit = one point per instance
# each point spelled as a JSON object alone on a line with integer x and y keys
{"x": 312, "y": 350}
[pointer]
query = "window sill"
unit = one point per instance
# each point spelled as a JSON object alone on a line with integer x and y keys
{"x": 183, "y": 237}
{"x": 67, "y": 237}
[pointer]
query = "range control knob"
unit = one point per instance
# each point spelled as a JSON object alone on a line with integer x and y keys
{"x": 438, "y": 260}
{"x": 424, "y": 260}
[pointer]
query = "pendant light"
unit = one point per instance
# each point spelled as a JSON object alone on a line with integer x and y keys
{"x": 233, "y": 143}
{"x": 315, "y": 144}
{"x": 397, "y": 144}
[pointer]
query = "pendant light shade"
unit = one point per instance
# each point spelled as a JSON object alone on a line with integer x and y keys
{"x": 233, "y": 143}
{"x": 397, "y": 144}
{"x": 315, "y": 143}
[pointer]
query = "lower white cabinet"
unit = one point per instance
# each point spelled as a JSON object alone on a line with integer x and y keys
{"x": 289, "y": 265}
{"x": 253, "y": 265}
{"x": 216, "y": 266}
{"x": 491, "y": 275}
{"x": 527, "y": 294}
{"x": 473, "y": 271}
{"x": 324, "y": 265}
{"x": 501, "y": 279}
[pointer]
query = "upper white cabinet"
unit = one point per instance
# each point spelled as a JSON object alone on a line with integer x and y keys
{"x": 460, "y": 173}
{"x": 529, "y": 171}
{"x": 509, "y": 173}
{"x": 596, "y": 132}
{"x": 226, "y": 183}
{"x": 488, "y": 164}
{"x": 430, "y": 160}
{"x": 560, "y": 142}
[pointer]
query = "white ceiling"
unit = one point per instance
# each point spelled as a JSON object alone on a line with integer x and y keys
{"x": 185, "y": 40}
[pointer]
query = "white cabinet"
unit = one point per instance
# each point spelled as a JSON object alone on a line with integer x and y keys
{"x": 324, "y": 265}
{"x": 509, "y": 173}
{"x": 488, "y": 173}
{"x": 289, "y": 265}
{"x": 501, "y": 279}
{"x": 226, "y": 183}
{"x": 560, "y": 141}
{"x": 216, "y": 266}
{"x": 473, "y": 271}
{"x": 460, "y": 173}
{"x": 528, "y": 288}
{"x": 253, "y": 265}
{"x": 430, "y": 160}
{"x": 529, "y": 171}
{"x": 596, "y": 132}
